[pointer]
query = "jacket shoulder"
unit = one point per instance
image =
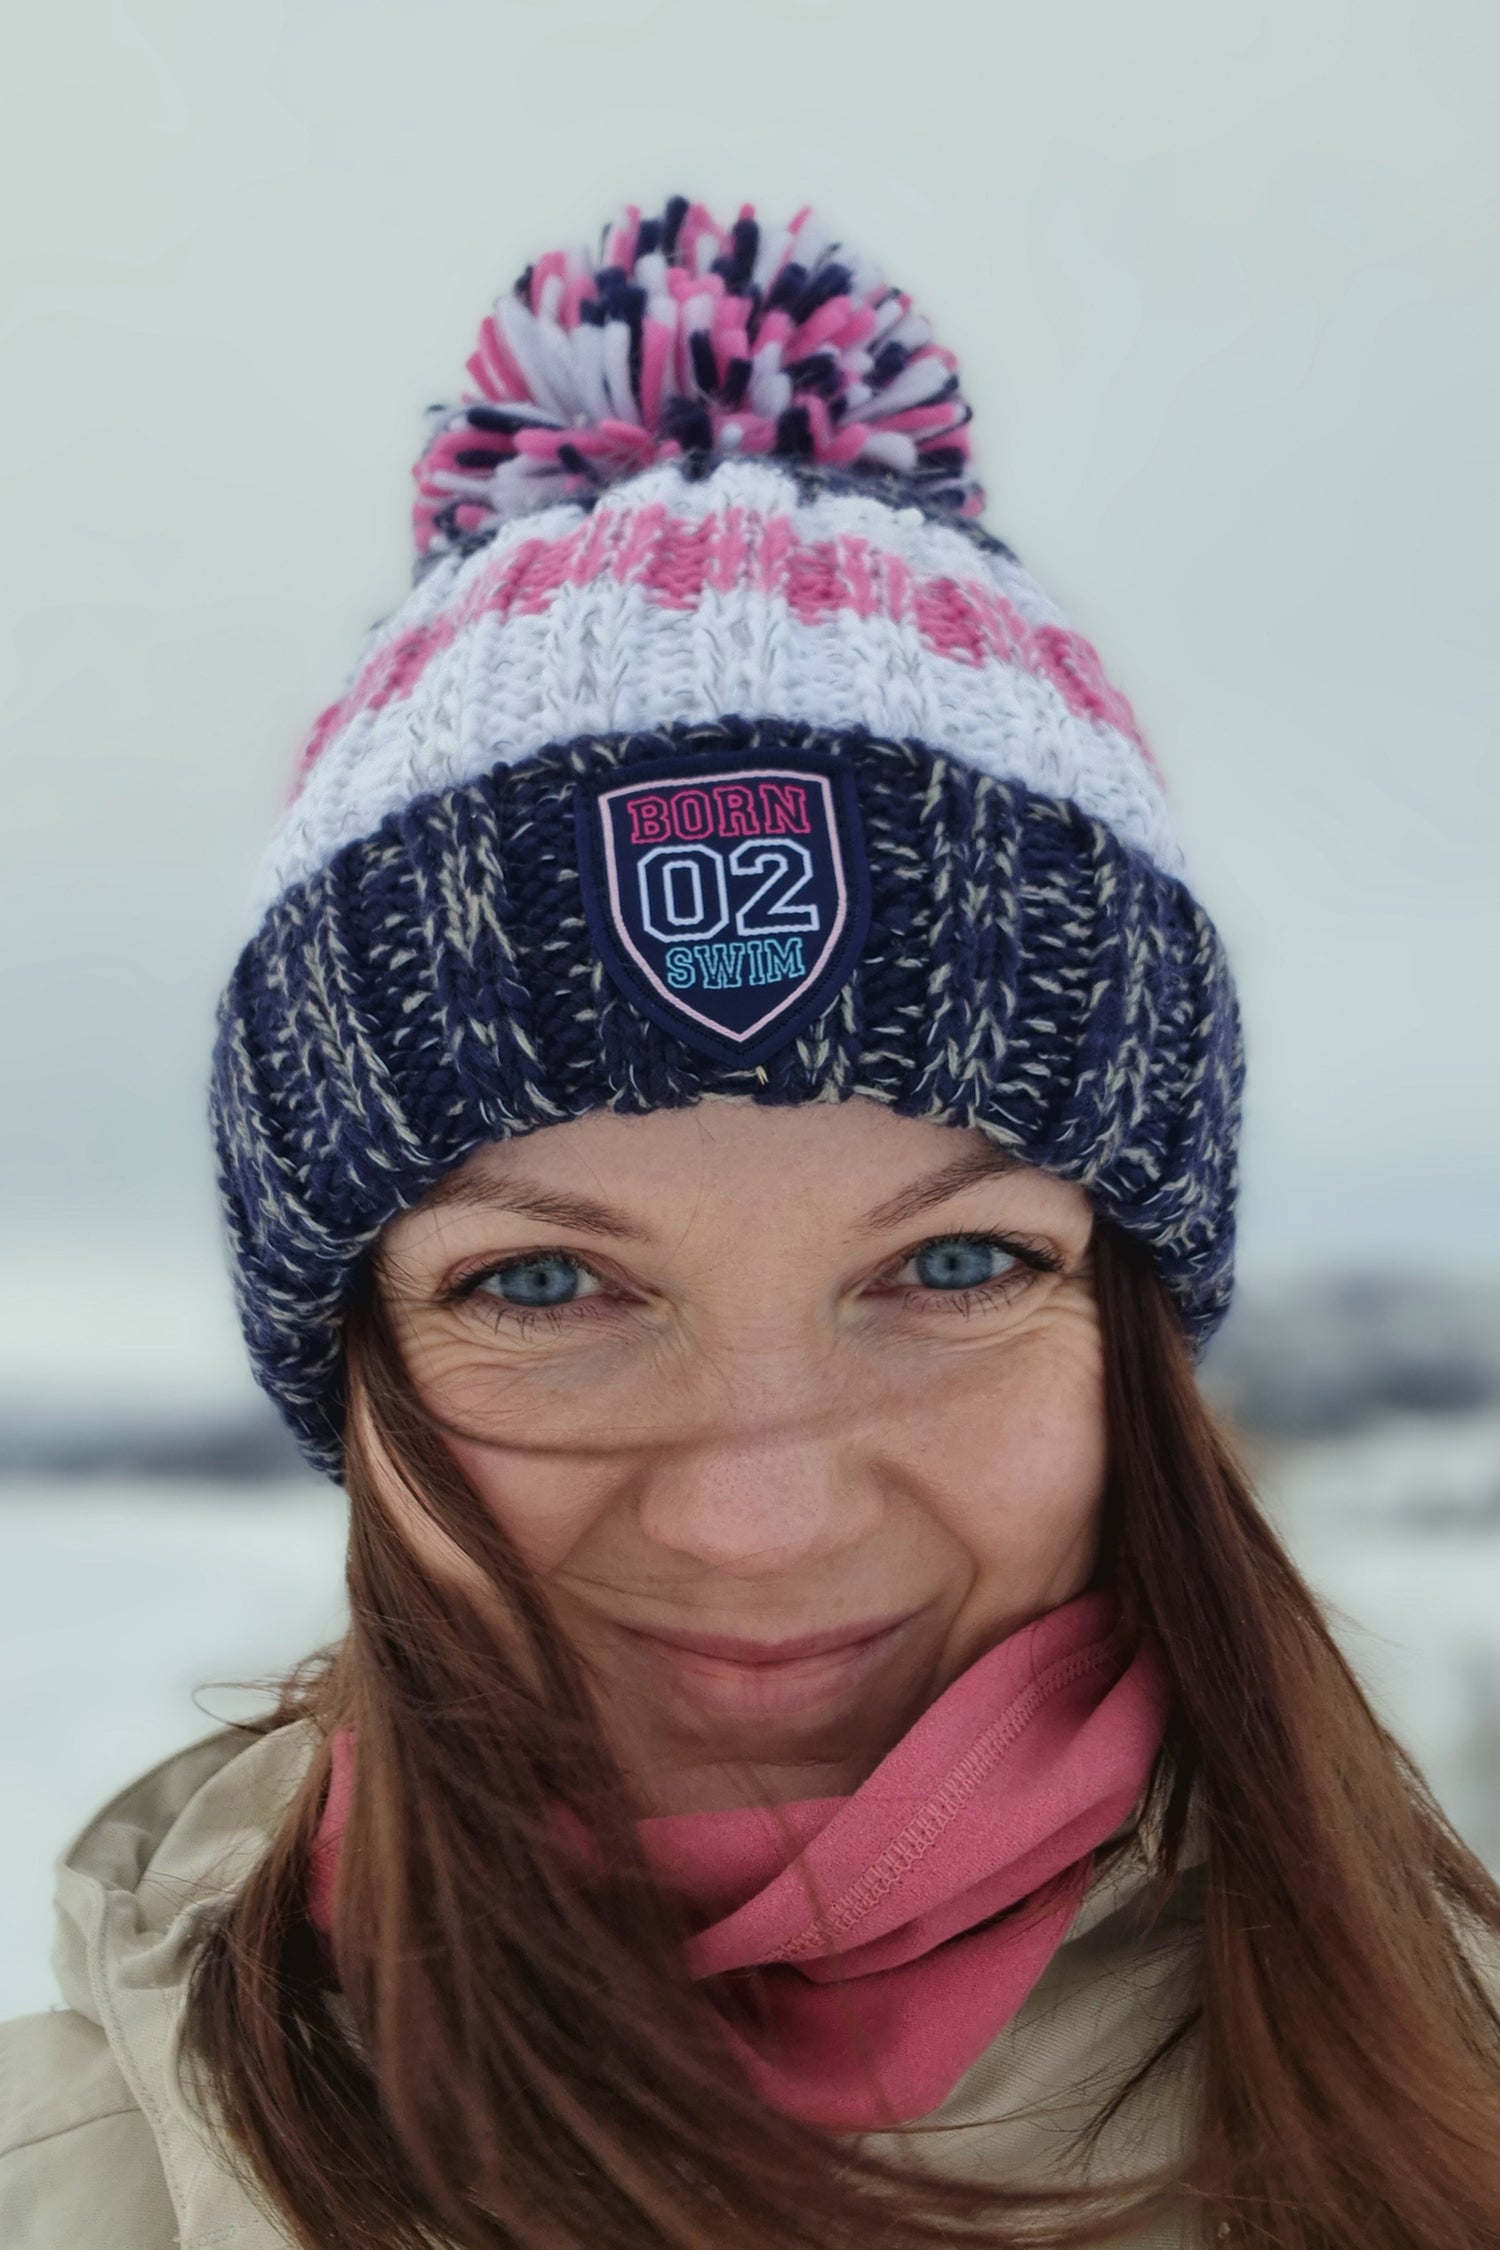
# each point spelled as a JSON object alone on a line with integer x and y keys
{"x": 79, "y": 2168}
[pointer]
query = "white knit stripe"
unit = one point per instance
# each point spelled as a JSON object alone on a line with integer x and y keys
{"x": 606, "y": 658}
{"x": 924, "y": 543}
{"x": 895, "y": 540}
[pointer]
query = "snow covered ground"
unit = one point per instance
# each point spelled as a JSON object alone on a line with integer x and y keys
{"x": 1398, "y": 1527}
{"x": 120, "y": 1601}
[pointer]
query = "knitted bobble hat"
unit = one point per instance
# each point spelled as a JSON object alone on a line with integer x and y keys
{"x": 717, "y": 750}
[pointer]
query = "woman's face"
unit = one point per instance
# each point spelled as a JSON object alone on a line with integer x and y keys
{"x": 795, "y": 1411}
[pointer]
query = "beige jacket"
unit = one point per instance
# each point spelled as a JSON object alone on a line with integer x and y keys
{"x": 99, "y": 2151}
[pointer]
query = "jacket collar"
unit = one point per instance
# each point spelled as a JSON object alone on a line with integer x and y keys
{"x": 133, "y": 1894}
{"x": 135, "y": 1890}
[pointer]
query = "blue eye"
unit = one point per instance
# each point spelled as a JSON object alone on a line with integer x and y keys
{"x": 960, "y": 1261}
{"x": 550, "y": 1278}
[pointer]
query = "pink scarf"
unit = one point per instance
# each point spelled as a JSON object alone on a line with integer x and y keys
{"x": 883, "y": 1959}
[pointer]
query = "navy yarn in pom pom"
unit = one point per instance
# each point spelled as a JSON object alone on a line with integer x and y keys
{"x": 689, "y": 340}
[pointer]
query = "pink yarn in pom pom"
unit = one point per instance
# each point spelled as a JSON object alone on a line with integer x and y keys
{"x": 694, "y": 341}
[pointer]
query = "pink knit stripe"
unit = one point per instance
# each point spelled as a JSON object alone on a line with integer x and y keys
{"x": 676, "y": 560}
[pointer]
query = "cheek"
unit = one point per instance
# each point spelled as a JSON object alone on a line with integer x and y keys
{"x": 1012, "y": 1460}
{"x": 546, "y": 1505}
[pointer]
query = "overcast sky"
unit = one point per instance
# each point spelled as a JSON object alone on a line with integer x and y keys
{"x": 1223, "y": 282}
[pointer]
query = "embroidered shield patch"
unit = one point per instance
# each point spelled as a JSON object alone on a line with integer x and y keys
{"x": 728, "y": 895}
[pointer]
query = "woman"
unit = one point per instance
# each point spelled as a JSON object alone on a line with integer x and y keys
{"x": 727, "y": 1127}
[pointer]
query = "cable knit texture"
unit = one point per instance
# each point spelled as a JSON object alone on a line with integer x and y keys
{"x": 436, "y": 962}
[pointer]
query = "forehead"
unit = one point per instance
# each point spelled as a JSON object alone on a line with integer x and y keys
{"x": 740, "y": 1165}
{"x": 724, "y": 1142}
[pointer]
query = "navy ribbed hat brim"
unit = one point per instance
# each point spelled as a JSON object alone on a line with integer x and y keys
{"x": 437, "y": 986}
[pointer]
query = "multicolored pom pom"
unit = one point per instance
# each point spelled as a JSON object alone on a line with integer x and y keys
{"x": 696, "y": 342}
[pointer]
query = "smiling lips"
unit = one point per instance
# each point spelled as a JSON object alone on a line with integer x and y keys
{"x": 723, "y": 1677}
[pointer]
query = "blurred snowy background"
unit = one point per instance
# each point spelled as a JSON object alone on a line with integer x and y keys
{"x": 1225, "y": 283}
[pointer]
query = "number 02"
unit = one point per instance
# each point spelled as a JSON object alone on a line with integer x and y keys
{"x": 787, "y": 868}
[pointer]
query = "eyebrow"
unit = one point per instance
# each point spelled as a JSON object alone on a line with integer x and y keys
{"x": 987, "y": 1163}
{"x": 580, "y": 1212}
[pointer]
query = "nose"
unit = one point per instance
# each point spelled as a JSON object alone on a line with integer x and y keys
{"x": 751, "y": 1508}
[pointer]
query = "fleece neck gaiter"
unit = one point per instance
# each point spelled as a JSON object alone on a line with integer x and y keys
{"x": 864, "y": 1950}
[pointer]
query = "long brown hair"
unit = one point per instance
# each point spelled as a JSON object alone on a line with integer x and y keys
{"x": 506, "y": 2054}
